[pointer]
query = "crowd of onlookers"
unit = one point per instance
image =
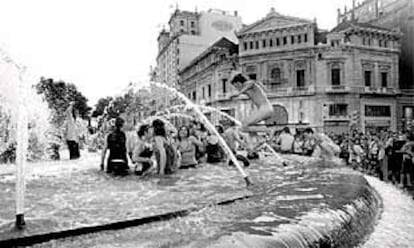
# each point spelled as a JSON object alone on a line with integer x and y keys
{"x": 388, "y": 155}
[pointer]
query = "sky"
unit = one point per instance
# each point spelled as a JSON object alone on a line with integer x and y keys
{"x": 102, "y": 45}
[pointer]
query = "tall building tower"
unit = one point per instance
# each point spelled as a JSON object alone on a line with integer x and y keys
{"x": 190, "y": 33}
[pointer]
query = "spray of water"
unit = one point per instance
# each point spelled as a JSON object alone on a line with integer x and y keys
{"x": 221, "y": 113}
{"x": 17, "y": 96}
{"x": 208, "y": 125}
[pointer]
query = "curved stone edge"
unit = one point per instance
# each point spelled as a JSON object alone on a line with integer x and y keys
{"x": 348, "y": 226}
{"x": 345, "y": 227}
{"x": 395, "y": 228}
{"x": 41, "y": 238}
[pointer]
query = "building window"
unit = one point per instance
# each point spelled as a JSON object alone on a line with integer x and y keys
{"x": 251, "y": 44}
{"x": 299, "y": 38}
{"x": 369, "y": 41}
{"x": 224, "y": 85}
{"x": 257, "y": 44}
{"x": 275, "y": 76}
{"x": 270, "y": 42}
{"x": 181, "y": 23}
{"x": 408, "y": 113}
{"x": 181, "y": 30}
{"x": 284, "y": 40}
{"x": 193, "y": 32}
{"x": 380, "y": 43}
{"x": 204, "y": 96}
{"x": 305, "y": 38}
{"x": 245, "y": 46}
{"x": 384, "y": 79}
{"x": 300, "y": 78}
{"x": 377, "y": 111}
{"x": 367, "y": 77}
{"x": 194, "y": 95}
{"x": 336, "y": 76}
{"x": 252, "y": 76}
{"x": 209, "y": 90}
{"x": 364, "y": 41}
{"x": 292, "y": 39}
{"x": 264, "y": 43}
{"x": 338, "y": 109}
{"x": 277, "y": 42}
{"x": 385, "y": 43}
{"x": 192, "y": 24}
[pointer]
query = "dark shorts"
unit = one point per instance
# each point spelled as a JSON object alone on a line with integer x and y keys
{"x": 406, "y": 166}
{"x": 117, "y": 168}
{"x": 73, "y": 147}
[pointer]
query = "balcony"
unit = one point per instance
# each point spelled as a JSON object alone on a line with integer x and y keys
{"x": 337, "y": 89}
{"x": 379, "y": 90}
{"x": 336, "y": 118}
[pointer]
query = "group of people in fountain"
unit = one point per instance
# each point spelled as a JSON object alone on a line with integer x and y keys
{"x": 160, "y": 149}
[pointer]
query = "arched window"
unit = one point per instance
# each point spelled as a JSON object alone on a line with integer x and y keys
{"x": 275, "y": 76}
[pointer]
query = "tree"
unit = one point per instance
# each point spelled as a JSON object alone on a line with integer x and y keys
{"x": 58, "y": 95}
{"x": 101, "y": 105}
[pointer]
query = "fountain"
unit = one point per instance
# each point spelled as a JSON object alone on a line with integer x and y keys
{"x": 307, "y": 204}
{"x": 17, "y": 99}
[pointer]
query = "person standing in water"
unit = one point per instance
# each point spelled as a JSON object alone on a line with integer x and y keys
{"x": 116, "y": 145}
{"x": 71, "y": 131}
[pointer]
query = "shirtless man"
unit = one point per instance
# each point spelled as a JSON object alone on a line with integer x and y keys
{"x": 255, "y": 91}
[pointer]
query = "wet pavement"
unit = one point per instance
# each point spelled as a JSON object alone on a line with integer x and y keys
{"x": 305, "y": 193}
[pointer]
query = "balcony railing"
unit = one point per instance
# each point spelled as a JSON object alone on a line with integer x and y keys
{"x": 379, "y": 90}
{"x": 337, "y": 89}
{"x": 277, "y": 91}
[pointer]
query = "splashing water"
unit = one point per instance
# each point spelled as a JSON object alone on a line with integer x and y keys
{"x": 221, "y": 113}
{"x": 26, "y": 110}
{"x": 395, "y": 228}
{"x": 208, "y": 124}
{"x": 16, "y": 96}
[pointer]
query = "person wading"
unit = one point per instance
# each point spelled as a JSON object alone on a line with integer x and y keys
{"x": 116, "y": 145}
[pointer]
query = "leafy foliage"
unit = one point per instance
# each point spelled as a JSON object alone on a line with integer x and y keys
{"x": 58, "y": 95}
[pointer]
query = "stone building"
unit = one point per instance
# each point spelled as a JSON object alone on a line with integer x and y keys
{"x": 393, "y": 14}
{"x": 205, "y": 79}
{"x": 320, "y": 79}
{"x": 190, "y": 33}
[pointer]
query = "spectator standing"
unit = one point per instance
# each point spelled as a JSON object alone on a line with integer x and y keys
{"x": 71, "y": 131}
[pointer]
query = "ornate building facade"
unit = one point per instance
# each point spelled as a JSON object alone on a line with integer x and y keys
{"x": 327, "y": 80}
{"x": 393, "y": 14}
